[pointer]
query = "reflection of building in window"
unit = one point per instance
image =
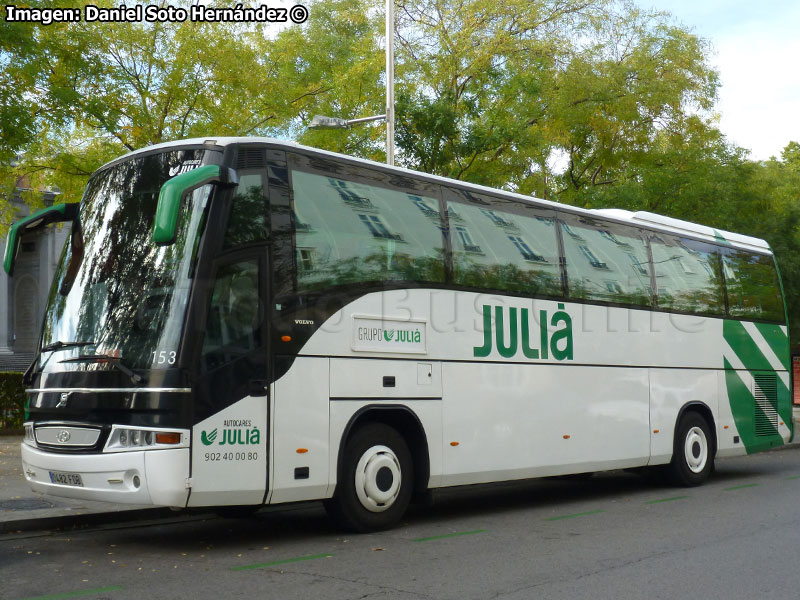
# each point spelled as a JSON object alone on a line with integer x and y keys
{"x": 640, "y": 268}
{"x": 423, "y": 206}
{"x": 305, "y": 260}
{"x": 729, "y": 273}
{"x": 613, "y": 286}
{"x": 574, "y": 235}
{"x": 497, "y": 219}
{"x": 377, "y": 228}
{"x": 593, "y": 260}
{"x": 453, "y": 216}
{"x": 612, "y": 238}
{"x": 348, "y": 195}
{"x": 686, "y": 268}
{"x": 525, "y": 250}
{"x": 300, "y": 225}
{"x": 466, "y": 240}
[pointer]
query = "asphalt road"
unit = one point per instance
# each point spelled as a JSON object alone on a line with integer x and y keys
{"x": 613, "y": 536}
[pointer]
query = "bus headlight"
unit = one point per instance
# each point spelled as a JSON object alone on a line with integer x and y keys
{"x": 29, "y": 437}
{"x": 129, "y": 438}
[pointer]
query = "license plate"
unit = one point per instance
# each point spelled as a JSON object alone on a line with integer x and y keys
{"x": 60, "y": 478}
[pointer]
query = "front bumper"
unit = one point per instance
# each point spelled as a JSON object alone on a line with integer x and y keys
{"x": 155, "y": 477}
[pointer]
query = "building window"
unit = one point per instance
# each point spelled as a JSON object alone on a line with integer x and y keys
{"x": 348, "y": 196}
{"x": 525, "y": 250}
{"x": 466, "y": 240}
{"x": 593, "y": 260}
{"x": 377, "y": 228}
{"x": 423, "y": 206}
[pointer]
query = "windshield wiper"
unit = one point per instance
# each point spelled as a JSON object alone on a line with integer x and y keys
{"x": 110, "y": 359}
{"x": 59, "y": 345}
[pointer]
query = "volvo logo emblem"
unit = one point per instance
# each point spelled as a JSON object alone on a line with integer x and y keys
{"x": 62, "y": 403}
{"x": 63, "y": 436}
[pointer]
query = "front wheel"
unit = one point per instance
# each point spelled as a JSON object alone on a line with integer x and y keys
{"x": 375, "y": 481}
{"x": 692, "y": 455}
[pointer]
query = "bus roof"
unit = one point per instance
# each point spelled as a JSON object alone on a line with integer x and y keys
{"x": 641, "y": 218}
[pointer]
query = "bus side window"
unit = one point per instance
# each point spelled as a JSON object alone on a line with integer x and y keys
{"x": 606, "y": 261}
{"x": 501, "y": 246}
{"x": 751, "y": 281}
{"x": 233, "y": 327}
{"x": 351, "y": 232}
{"x": 689, "y": 269}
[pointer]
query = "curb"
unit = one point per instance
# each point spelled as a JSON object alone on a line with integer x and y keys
{"x": 63, "y": 522}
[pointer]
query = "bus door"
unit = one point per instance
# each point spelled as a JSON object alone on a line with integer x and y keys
{"x": 229, "y": 438}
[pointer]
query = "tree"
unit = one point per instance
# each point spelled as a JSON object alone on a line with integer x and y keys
{"x": 75, "y": 95}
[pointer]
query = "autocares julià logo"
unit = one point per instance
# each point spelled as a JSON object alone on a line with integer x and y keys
{"x": 208, "y": 438}
{"x": 232, "y": 437}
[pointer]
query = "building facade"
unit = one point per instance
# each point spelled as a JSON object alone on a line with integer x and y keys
{"x": 23, "y": 296}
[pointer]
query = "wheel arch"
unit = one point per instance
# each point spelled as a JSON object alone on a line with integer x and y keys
{"x": 704, "y": 411}
{"x": 406, "y": 422}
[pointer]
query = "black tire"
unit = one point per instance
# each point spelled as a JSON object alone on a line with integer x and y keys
{"x": 376, "y": 480}
{"x": 693, "y": 451}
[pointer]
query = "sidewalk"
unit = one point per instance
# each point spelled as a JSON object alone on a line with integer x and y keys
{"x": 22, "y": 509}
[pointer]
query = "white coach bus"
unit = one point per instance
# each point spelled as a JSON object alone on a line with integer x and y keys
{"x": 246, "y": 321}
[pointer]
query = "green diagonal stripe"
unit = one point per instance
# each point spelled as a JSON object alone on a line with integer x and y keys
{"x": 743, "y": 409}
{"x": 777, "y": 340}
{"x": 745, "y": 347}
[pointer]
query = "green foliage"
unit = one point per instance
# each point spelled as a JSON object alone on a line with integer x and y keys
{"x": 12, "y": 401}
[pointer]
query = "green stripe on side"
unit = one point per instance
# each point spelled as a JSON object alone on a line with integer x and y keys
{"x": 720, "y": 239}
{"x": 777, "y": 341}
{"x": 744, "y": 410}
{"x": 744, "y": 346}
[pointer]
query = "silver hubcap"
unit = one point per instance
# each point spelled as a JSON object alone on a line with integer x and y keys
{"x": 378, "y": 479}
{"x": 695, "y": 449}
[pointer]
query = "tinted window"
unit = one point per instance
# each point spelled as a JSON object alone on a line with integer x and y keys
{"x": 687, "y": 275}
{"x": 606, "y": 261}
{"x": 233, "y": 325}
{"x": 752, "y": 285}
{"x": 248, "y": 217}
{"x": 350, "y": 231}
{"x": 502, "y": 245}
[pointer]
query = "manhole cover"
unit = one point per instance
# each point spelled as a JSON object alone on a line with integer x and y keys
{"x": 25, "y": 504}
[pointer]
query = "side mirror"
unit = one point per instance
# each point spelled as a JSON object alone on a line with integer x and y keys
{"x": 169, "y": 198}
{"x": 38, "y": 220}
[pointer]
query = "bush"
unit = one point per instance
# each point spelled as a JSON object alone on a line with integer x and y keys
{"x": 12, "y": 401}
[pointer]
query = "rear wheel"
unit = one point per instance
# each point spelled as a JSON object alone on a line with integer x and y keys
{"x": 375, "y": 481}
{"x": 692, "y": 455}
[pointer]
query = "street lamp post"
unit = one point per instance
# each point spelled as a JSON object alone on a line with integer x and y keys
{"x": 389, "y": 82}
{"x": 322, "y": 122}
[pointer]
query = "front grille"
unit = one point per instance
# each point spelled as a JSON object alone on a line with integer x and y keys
{"x": 70, "y": 437}
{"x": 765, "y": 394}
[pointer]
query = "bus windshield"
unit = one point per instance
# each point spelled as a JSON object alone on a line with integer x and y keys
{"x": 116, "y": 292}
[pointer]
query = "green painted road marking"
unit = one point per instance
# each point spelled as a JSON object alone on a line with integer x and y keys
{"x": 448, "y": 535}
{"x": 582, "y": 514}
{"x": 112, "y": 588}
{"x": 740, "y": 487}
{"x": 285, "y": 561}
{"x": 793, "y": 477}
{"x": 666, "y": 499}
